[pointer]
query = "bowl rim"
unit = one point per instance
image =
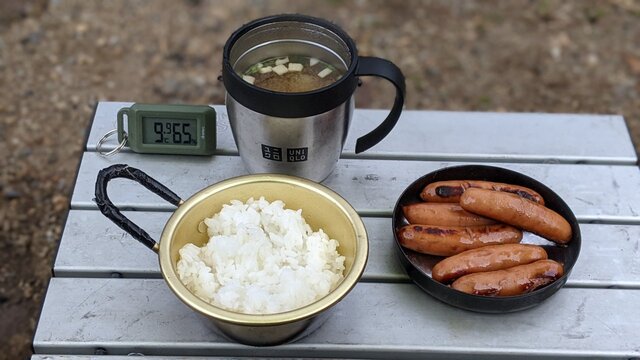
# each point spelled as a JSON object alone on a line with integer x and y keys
{"x": 456, "y": 298}
{"x": 307, "y": 311}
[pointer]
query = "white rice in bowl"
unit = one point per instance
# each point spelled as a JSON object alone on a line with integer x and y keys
{"x": 261, "y": 259}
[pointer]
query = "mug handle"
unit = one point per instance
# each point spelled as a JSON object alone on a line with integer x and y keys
{"x": 108, "y": 209}
{"x": 373, "y": 66}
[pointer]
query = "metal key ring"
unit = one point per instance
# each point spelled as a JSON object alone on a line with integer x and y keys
{"x": 106, "y": 137}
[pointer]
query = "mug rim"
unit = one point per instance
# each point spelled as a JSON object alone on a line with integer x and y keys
{"x": 290, "y": 104}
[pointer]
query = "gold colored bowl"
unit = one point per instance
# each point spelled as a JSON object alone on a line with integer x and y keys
{"x": 321, "y": 208}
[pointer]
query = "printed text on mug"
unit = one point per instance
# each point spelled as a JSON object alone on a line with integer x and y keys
{"x": 297, "y": 154}
{"x": 271, "y": 153}
{"x": 293, "y": 154}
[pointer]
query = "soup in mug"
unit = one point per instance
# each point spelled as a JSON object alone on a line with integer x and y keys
{"x": 292, "y": 74}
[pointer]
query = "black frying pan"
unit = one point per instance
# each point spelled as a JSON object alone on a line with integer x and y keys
{"x": 418, "y": 266}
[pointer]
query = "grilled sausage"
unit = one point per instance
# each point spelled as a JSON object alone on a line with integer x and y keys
{"x": 513, "y": 281}
{"x": 442, "y": 214}
{"x": 517, "y": 211}
{"x": 450, "y": 191}
{"x": 488, "y": 258}
{"x": 451, "y": 240}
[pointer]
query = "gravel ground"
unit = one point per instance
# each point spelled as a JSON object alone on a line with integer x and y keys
{"x": 58, "y": 58}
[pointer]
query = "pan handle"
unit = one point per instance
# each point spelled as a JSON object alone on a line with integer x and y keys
{"x": 108, "y": 209}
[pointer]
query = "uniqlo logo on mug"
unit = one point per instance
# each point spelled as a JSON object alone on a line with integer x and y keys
{"x": 271, "y": 152}
{"x": 297, "y": 154}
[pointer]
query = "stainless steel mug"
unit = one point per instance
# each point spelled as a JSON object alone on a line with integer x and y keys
{"x": 299, "y": 133}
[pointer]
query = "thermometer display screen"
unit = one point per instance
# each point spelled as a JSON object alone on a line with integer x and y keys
{"x": 169, "y": 131}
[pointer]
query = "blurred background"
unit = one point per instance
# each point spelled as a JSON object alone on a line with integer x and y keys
{"x": 59, "y": 57}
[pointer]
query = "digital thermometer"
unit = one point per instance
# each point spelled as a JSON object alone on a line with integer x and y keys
{"x": 168, "y": 129}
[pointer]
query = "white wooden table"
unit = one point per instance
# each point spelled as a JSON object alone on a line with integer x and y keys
{"x": 107, "y": 295}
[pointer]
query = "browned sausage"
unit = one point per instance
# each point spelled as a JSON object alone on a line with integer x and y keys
{"x": 451, "y": 240}
{"x": 450, "y": 191}
{"x": 517, "y": 211}
{"x": 442, "y": 214}
{"x": 513, "y": 281}
{"x": 488, "y": 258}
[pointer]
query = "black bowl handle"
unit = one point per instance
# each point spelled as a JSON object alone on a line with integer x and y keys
{"x": 373, "y": 66}
{"x": 109, "y": 210}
